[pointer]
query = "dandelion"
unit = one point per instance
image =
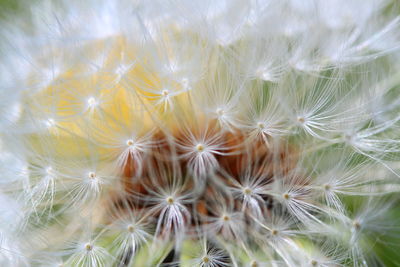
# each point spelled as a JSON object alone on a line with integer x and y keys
{"x": 200, "y": 133}
{"x": 201, "y": 151}
{"x": 87, "y": 254}
{"x": 129, "y": 230}
{"x": 208, "y": 256}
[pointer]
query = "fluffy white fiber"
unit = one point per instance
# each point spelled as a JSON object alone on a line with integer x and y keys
{"x": 200, "y": 133}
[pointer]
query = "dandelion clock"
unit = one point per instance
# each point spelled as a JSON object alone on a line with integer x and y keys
{"x": 203, "y": 133}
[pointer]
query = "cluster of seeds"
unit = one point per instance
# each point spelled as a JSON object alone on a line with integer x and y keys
{"x": 200, "y": 133}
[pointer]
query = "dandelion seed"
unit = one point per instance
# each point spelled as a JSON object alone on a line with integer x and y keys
{"x": 201, "y": 152}
{"x": 169, "y": 204}
{"x": 356, "y": 225}
{"x": 88, "y": 247}
{"x": 301, "y": 120}
{"x": 131, "y": 231}
{"x": 185, "y": 83}
{"x": 130, "y": 142}
{"x": 220, "y": 112}
{"x": 165, "y": 93}
{"x": 224, "y": 220}
{"x": 200, "y": 147}
{"x": 92, "y": 175}
{"x": 261, "y": 125}
{"x": 92, "y": 102}
{"x": 50, "y": 123}
{"x": 209, "y": 257}
{"x": 88, "y": 254}
{"x": 247, "y": 191}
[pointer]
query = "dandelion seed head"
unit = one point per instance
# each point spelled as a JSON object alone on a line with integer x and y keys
{"x": 221, "y": 133}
